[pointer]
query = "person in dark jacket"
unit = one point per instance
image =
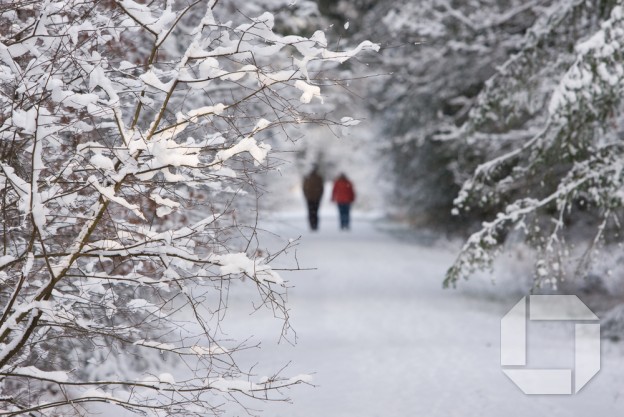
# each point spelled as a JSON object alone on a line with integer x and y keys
{"x": 343, "y": 195}
{"x": 313, "y": 191}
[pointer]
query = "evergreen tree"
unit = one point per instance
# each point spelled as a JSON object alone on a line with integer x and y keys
{"x": 550, "y": 119}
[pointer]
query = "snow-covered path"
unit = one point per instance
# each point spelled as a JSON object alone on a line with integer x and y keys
{"x": 384, "y": 339}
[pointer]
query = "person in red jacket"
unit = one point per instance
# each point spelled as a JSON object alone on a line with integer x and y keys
{"x": 343, "y": 194}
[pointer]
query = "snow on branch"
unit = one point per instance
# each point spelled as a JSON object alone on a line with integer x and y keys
{"x": 578, "y": 150}
{"x": 132, "y": 137}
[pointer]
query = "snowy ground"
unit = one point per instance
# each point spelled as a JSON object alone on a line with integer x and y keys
{"x": 382, "y": 337}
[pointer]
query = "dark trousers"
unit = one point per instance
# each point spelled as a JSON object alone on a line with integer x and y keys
{"x": 313, "y": 207}
{"x": 344, "y": 209}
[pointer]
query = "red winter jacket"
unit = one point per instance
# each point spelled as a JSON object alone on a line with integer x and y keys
{"x": 343, "y": 191}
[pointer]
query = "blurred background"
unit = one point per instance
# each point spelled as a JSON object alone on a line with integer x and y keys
{"x": 455, "y": 84}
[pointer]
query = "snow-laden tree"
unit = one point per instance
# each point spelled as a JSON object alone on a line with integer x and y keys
{"x": 550, "y": 120}
{"x": 128, "y": 133}
{"x": 439, "y": 54}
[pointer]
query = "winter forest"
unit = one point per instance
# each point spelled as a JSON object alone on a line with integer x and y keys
{"x": 164, "y": 253}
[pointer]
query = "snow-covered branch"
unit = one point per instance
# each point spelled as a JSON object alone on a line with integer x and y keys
{"x": 132, "y": 135}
